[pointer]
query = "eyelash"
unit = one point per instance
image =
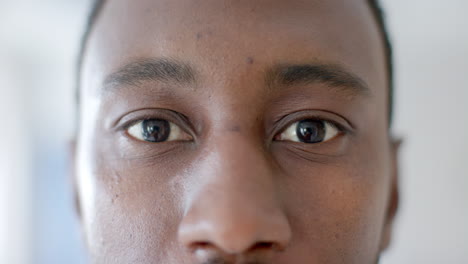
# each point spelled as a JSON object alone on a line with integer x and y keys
{"x": 282, "y": 127}
{"x": 134, "y": 121}
{"x": 341, "y": 128}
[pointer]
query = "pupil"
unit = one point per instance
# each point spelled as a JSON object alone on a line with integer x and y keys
{"x": 156, "y": 130}
{"x": 310, "y": 131}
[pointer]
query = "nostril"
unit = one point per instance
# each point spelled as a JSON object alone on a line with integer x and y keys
{"x": 200, "y": 245}
{"x": 261, "y": 246}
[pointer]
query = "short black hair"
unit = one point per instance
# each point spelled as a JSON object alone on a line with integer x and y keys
{"x": 374, "y": 6}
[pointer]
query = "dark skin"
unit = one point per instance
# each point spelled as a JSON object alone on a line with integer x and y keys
{"x": 235, "y": 132}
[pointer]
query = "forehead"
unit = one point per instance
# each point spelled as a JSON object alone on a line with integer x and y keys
{"x": 219, "y": 36}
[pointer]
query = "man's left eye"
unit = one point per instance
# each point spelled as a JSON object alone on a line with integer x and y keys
{"x": 157, "y": 130}
{"x": 309, "y": 131}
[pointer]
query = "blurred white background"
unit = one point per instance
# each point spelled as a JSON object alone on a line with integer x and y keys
{"x": 38, "y": 46}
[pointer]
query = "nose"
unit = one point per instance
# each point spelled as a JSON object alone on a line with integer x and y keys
{"x": 235, "y": 207}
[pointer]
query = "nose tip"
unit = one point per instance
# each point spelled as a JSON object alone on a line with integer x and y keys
{"x": 235, "y": 235}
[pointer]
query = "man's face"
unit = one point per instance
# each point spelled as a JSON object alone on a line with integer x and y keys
{"x": 235, "y": 132}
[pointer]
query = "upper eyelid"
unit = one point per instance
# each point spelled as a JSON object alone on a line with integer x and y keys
{"x": 132, "y": 118}
{"x": 135, "y": 121}
{"x": 124, "y": 130}
{"x": 319, "y": 113}
{"x": 337, "y": 125}
{"x": 127, "y": 125}
{"x": 333, "y": 123}
{"x": 342, "y": 124}
{"x": 125, "y": 122}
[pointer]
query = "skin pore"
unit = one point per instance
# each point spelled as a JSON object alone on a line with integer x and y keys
{"x": 223, "y": 131}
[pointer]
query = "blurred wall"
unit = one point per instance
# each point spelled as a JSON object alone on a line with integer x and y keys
{"x": 15, "y": 189}
{"x": 431, "y": 49}
{"x": 39, "y": 40}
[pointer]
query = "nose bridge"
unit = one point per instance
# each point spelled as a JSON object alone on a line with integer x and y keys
{"x": 235, "y": 203}
{"x": 240, "y": 174}
{"x": 237, "y": 156}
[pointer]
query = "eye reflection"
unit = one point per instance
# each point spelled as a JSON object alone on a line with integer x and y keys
{"x": 157, "y": 130}
{"x": 309, "y": 131}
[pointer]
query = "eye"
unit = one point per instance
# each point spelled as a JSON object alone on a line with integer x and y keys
{"x": 309, "y": 131}
{"x": 157, "y": 130}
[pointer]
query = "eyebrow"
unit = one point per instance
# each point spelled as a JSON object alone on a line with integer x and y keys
{"x": 330, "y": 74}
{"x": 155, "y": 69}
{"x": 173, "y": 71}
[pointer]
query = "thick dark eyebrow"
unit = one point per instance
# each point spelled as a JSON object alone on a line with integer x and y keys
{"x": 173, "y": 71}
{"x": 302, "y": 74}
{"x": 163, "y": 70}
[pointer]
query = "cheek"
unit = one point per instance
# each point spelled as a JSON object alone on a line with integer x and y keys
{"x": 337, "y": 208}
{"x": 134, "y": 204}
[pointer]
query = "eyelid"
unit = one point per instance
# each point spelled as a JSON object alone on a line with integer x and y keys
{"x": 132, "y": 118}
{"x": 341, "y": 124}
{"x": 328, "y": 125}
{"x": 175, "y": 132}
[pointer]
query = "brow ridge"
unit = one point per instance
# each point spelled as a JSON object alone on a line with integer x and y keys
{"x": 173, "y": 71}
{"x": 333, "y": 75}
{"x": 151, "y": 69}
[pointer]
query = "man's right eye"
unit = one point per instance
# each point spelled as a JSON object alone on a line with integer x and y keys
{"x": 157, "y": 130}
